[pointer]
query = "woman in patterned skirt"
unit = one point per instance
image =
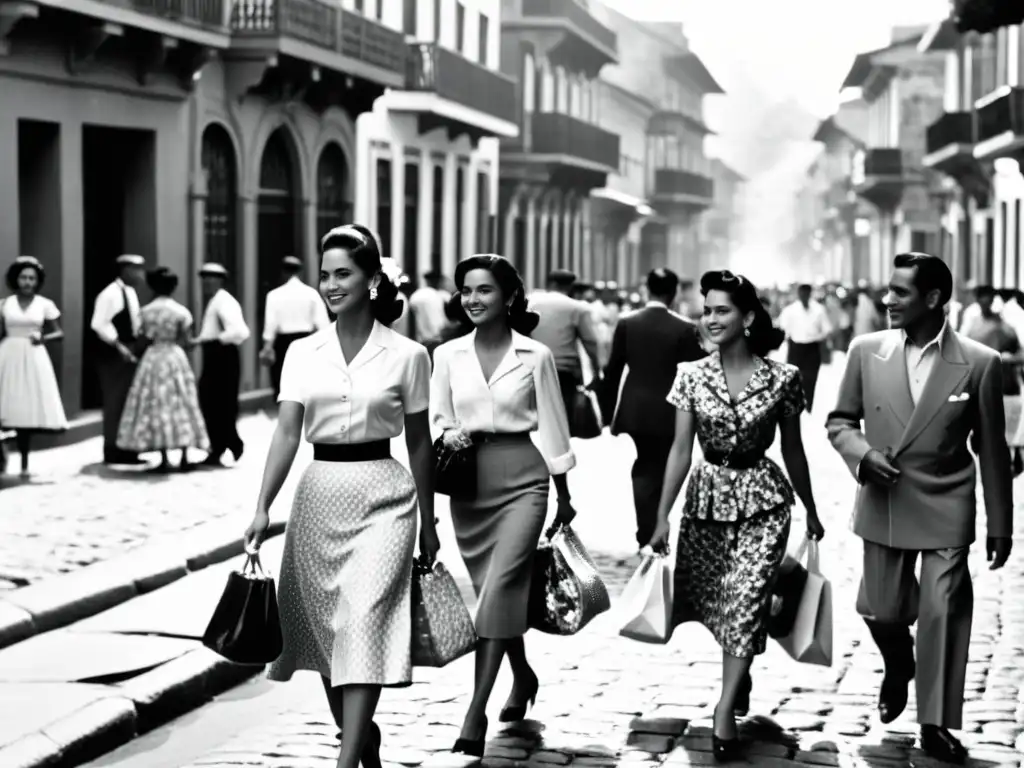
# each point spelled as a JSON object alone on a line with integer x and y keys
{"x": 162, "y": 412}
{"x": 346, "y": 576}
{"x": 736, "y": 514}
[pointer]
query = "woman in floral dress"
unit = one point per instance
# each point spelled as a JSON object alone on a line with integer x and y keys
{"x": 162, "y": 410}
{"x": 736, "y": 515}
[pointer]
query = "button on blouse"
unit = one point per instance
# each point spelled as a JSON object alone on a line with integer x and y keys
{"x": 522, "y": 396}
{"x": 361, "y": 401}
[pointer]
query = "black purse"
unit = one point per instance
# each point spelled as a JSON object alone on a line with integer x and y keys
{"x": 455, "y": 470}
{"x": 245, "y": 627}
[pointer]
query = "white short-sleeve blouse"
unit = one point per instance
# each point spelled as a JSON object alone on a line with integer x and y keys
{"x": 523, "y": 395}
{"x": 358, "y": 402}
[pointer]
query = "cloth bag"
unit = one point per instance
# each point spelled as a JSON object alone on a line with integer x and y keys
{"x": 566, "y": 592}
{"x": 810, "y": 641}
{"x": 647, "y": 601}
{"x": 442, "y": 629}
{"x": 245, "y": 627}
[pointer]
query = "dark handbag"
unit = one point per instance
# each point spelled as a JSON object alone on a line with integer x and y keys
{"x": 442, "y": 629}
{"x": 585, "y": 419}
{"x": 786, "y": 595}
{"x": 245, "y": 627}
{"x": 455, "y": 470}
{"x": 566, "y": 591}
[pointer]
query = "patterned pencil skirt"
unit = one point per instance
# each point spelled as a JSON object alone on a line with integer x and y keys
{"x": 724, "y": 577}
{"x": 346, "y": 575}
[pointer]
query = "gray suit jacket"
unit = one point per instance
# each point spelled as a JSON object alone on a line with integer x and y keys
{"x": 932, "y": 505}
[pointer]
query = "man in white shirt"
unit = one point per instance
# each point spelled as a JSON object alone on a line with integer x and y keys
{"x": 807, "y": 327}
{"x": 427, "y": 307}
{"x": 294, "y": 310}
{"x": 222, "y": 331}
{"x": 117, "y": 321}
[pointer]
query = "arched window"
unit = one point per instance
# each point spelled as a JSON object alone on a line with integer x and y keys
{"x": 333, "y": 207}
{"x": 219, "y": 223}
{"x": 277, "y": 230}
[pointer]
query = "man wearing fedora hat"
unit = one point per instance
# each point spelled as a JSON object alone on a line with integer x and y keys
{"x": 222, "y": 331}
{"x": 294, "y": 310}
{"x": 116, "y": 321}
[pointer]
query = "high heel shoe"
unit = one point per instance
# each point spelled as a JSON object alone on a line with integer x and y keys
{"x": 725, "y": 750}
{"x": 371, "y": 749}
{"x": 471, "y": 747}
{"x": 742, "y": 706}
{"x": 513, "y": 713}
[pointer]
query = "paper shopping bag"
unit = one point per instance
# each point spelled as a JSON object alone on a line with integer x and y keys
{"x": 810, "y": 641}
{"x": 647, "y": 602}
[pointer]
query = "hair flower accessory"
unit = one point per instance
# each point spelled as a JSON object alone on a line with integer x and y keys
{"x": 391, "y": 270}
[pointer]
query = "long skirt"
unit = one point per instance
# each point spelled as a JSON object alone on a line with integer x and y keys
{"x": 724, "y": 577}
{"x": 346, "y": 576}
{"x": 499, "y": 529}
{"x": 29, "y": 395}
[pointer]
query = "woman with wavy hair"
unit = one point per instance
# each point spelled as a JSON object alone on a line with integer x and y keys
{"x": 736, "y": 514}
{"x": 346, "y": 575}
{"x": 497, "y": 389}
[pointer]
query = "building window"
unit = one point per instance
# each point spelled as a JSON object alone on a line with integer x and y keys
{"x": 359, "y": 6}
{"x": 460, "y": 28}
{"x": 436, "y": 235}
{"x": 409, "y": 17}
{"x": 384, "y": 204}
{"x": 529, "y": 83}
{"x": 218, "y": 158}
{"x": 483, "y": 34}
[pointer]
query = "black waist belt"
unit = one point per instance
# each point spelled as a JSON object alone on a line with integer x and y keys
{"x": 499, "y": 437}
{"x": 734, "y": 462}
{"x": 372, "y": 451}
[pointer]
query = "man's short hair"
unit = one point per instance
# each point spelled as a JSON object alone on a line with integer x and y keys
{"x": 932, "y": 274}
{"x": 986, "y": 291}
{"x": 563, "y": 278}
{"x": 662, "y": 282}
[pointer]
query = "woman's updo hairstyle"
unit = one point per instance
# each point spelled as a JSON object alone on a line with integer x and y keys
{"x": 162, "y": 281}
{"x": 19, "y": 265}
{"x": 764, "y": 336}
{"x": 520, "y": 318}
{"x": 363, "y": 248}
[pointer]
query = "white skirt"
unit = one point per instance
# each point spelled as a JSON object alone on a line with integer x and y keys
{"x": 29, "y": 395}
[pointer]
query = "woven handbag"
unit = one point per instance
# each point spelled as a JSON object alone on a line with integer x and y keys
{"x": 567, "y": 592}
{"x": 442, "y": 629}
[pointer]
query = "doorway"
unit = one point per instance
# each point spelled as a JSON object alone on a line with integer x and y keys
{"x": 118, "y": 216}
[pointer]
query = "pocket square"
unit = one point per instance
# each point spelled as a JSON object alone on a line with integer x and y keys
{"x": 963, "y": 397}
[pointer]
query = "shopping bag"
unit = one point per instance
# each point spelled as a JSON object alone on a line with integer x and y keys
{"x": 442, "y": 629}
{"x": 566, "y": 592}
{"x": 647, "y": 601}
{"x": 786, "y": 595}
{"x": 245, "y": 627}
{"x": 810, "y": 641}
{"x": 585, "y": 419}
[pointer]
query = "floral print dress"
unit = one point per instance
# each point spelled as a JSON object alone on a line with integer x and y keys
{"x": 162, "y": 409}
{"x": 736, "y": 512}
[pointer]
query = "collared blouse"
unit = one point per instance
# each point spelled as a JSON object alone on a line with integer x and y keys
{"x": 361, "y": 401}
{"x": 736, "y": 432}
{"x": 522, "y": 396}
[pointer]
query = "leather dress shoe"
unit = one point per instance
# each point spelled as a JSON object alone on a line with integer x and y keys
{"x": 939, "y": 744}
{"x": 895, "y": 691}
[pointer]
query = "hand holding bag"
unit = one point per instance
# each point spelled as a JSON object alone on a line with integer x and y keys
{"x": 647, "y": 601}
{"x": 810, "y": 641}
{"x": 585, "y": 419}
{"x": 442, "y": 629}
{"x": 245, "y": 627}
{"x": 455, "y": 470}
{"x": 566, "y": 592}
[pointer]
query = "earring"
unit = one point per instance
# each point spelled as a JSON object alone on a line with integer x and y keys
{"x": 746, "y": 331}
{"x": 373, "y": 293}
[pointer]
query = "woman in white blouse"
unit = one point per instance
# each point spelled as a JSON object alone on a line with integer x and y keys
{"x": 346, "y": 574}
{"x": 497, "y": 389}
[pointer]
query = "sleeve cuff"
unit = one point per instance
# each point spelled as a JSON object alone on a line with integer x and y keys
{"x": 561, "y": 464}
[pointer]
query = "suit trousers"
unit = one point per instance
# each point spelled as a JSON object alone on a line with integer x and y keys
{"x": 648, "y": 476}
{"x": 218, "y": 396}
{"x": 942, "y": 604}
{"x": 115, "y": 377}
{"x": 807, "y": 358}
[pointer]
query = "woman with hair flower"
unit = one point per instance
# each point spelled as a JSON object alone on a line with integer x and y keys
{"x": 29, "y": 395}
{"x": 497, "y": 389}
{"x": 736, "y": 515}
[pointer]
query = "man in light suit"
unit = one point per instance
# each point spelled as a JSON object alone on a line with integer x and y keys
{"x": 922, "y": 392}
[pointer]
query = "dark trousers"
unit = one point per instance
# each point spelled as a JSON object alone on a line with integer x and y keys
{"x": 648, "y": 476}
{"x": 281, "y": 344}
{"x": 568, "y": 381}
{"x": 115, "y": 377}
{"x": 891, "y": 599}
{"x": 807, "y": 358}
{"x": 218, "y": 396}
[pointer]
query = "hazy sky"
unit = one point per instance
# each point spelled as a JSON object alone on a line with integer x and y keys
{"x": 799, "y": 47}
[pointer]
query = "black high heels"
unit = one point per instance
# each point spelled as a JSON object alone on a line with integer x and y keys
{"x": 471, "y": 747}
{"x": 742, "y": 706}
{"x": 371, "y": 750}
{"x": 726, "y": 750}
{"x": 513, "y": 713}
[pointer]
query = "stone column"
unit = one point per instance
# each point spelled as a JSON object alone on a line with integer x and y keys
{"x": 577, "y": 241}
{"x": 397, "y": 203}
{"x": 555, "y": 214}
{"x": 249, "y": 286}
{"x": 568, "y": 214}
{"x": 71, "y": 296}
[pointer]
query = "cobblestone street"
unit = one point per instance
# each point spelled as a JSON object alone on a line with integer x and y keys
{"x": 606, "y": 700}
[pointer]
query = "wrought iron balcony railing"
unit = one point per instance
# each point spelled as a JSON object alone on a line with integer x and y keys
{"x": 431, "y": 67}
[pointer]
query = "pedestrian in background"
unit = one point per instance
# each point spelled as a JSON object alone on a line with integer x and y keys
{"x": 162, "y": 411}
{"x": 737, "y": 510}
{"x": 346, "y": 576}
{"x": 496, "y": 388}
{"x": 807, "y": 327}
{"x": 910, "y": 400}
{"x": 29, "y": 394}
{"x": 116, "y": 321}
{"x": 427, "y": 306}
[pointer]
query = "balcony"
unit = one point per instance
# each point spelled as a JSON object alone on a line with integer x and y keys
{"x": 673, "y": 187}
{"x": 581, "y": 43}
{"x": 446, "y": 90}
{"x": 561, "y": 150}
{"x": 949, "y": 145}
{"x": 1000, "y": 123}
{"x": 878, "y": 177}
{"x": 313, "y": 44}
{"x": 667, "y": 122}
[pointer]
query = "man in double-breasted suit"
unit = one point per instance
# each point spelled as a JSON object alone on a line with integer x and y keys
{"x": 652, "y": 342}
{"x": 911, "y": 401}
